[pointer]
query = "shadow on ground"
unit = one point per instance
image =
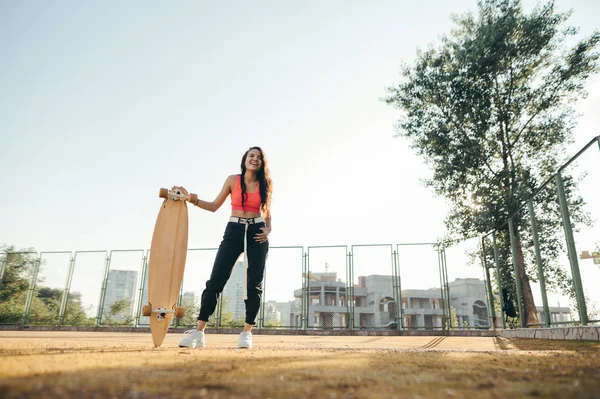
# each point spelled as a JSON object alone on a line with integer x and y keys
{"x": 567, "y": 370}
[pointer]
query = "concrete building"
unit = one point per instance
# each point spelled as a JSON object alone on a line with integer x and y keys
{"x": 233, "y": 294}
{"x": 558, "y": 314}
{"x": 468, "y": 297}
{"x": 277, "y": 313}
{"x": 327, "y": 302}
{"x": 120, "y": 285}
{"x": 271, "y": 314}
{"x": 422, "y": 308}
{"x": 188, "y": 299}
{"x": 375, "y": 306}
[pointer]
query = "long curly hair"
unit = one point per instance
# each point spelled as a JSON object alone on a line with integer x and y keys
{"x": 265, "y": 183}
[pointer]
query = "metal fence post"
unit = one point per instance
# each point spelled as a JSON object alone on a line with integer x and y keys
{"x": 538, "y": 260}
{"x": 513, "y": 245}
{"x": 31, "y": 291}
{"x": 571, "y": 250}
{"x": 219, "y": 312}
{"x": 488, "y": 285}
{"x": 445, "y": 318}
{"x": 304, "y": 299}
{"x": 447, "y": 286}
{"x": 307, "y": 314}
{"x": 350, "y": 290}
{"x": 398, "y": 292}
{"x": 103, "y": 290}
{"x": 140, "y": 294}
{"x": 261, "y": 314}
{"x": 498, "y": 279}
{"x": 179, "y": 303}
{"x": 3, "y": 267}
{"x": 65, "y": 298}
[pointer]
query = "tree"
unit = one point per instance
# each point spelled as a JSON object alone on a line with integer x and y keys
{"x": 45, "y": 308}
{"x": 490, "y": 110}
{"x": 20, "y": 266}
{"x": 227, "y": 317}
{"x": 75, "y": 313}
{"x": 192, "y": 308}
{"x": 45, "y": 303}
{"x": 272, "y": 323}
{"x": 119, "y": 313}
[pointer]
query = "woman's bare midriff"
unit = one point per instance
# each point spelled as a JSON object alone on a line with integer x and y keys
{"x": 244, "y": 214}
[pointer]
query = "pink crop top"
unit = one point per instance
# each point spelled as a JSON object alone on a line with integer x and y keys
{"x": 251, "y": 201}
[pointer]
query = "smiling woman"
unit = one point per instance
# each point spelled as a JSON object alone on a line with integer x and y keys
{"x": 250, "y": 217}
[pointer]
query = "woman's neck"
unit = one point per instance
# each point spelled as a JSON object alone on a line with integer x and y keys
{"x": 250, "y": 175}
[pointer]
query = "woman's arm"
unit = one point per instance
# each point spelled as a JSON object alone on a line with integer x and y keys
{"x": 219, "y": 200}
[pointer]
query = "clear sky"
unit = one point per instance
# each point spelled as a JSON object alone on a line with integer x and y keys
{"x": 101, "y": 105}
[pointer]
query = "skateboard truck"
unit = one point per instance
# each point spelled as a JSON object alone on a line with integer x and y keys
{"x": 161, "y": 313}
{"x": 177, "y": 195}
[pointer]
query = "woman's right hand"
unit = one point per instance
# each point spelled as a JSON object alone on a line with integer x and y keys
{"x": 182, "y": 189}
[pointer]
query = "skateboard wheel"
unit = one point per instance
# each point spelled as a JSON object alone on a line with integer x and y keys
{"x": 163, "y": 193}
{"x": 179, "y": 312}
{"x": 193, "y": 198}
{"x": 146, "y": 310}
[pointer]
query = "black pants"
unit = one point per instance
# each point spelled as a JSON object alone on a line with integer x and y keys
{"x": 230, "y": 249}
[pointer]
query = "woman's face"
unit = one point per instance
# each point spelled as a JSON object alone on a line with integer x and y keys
{"x": 254, "y": 160}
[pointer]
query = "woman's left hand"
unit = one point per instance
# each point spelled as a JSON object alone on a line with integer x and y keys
{"x": 263, "y": 237}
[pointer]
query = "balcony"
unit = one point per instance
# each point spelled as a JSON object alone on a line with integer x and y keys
{"x": 423, "y": 311}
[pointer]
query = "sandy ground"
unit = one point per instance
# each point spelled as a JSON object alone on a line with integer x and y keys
{"x": 126, "y": 365}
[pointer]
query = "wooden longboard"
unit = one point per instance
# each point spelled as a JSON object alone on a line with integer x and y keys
{"x": 168, "y": 252}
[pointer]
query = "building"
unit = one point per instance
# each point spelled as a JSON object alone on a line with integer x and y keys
{"x": 188, "y": 299}
{"x": 120, "y": 285}
{"x": 422, "y": 308}
{"x": 468, "y": 297}
{"x": 233, "y": 294}
{"x": 327, "y": 302}
{"x": 375, "y": 306}
{"x": 277, "y": 313}
{"x": 558, "y": 314}
{"x": 271, "y": 314}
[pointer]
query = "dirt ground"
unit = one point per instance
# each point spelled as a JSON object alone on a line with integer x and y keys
{"x": 126, "y": 365}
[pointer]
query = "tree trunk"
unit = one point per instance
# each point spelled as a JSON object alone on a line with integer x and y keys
{"x": 528, "y": 302}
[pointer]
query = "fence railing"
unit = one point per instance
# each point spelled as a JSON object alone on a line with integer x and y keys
{"x": 544, "y": 234}
{"x": 375, "y": 286}
{"x": 407, "y": 286}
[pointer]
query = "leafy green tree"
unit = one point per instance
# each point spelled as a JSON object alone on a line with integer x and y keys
{"x": 227, "y": 319}
{"x": 491, "y": 111}
{"x": 119, "y": 313}
{"x": 273, "y": 323}
{"x": 19, "y": 269}
{"x": 45, "y": 304}
{"x": 75, "y": 312}
{"x": 45, "y": 308}
{"x": 190, "y": 317}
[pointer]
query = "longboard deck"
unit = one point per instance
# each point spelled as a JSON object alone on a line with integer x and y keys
{"x": 168, "y": 253}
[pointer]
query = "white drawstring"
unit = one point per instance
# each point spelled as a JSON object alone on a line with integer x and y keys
{"x": 245, "y": 282}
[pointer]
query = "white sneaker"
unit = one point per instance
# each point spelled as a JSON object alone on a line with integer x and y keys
{"x": 192, "y": 339}
{"x": 245, "y": 340}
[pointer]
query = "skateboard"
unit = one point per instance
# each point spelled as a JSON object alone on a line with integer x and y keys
{"x": 168, "y": 252}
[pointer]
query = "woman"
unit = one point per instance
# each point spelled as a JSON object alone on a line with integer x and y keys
{"x": 247, "y": 231}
